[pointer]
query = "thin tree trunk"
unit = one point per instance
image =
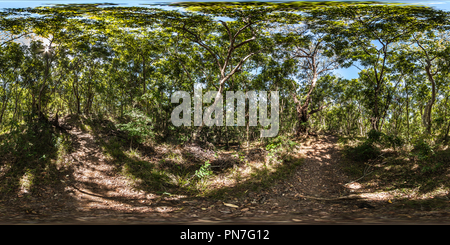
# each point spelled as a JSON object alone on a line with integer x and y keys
{"x": 4, "y": 102}
{"x": 446, "y": 139}
{"x": 76, "y": 94}
{"x": 407, "y": 109}
{"x": 3, "y": 111}
{"x": 248, "y": 129}
{"x": 16, "y": 106}
{"x": 429, "y": 106}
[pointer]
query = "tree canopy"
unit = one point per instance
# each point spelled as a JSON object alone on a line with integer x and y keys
{"x": 95, "y": 59}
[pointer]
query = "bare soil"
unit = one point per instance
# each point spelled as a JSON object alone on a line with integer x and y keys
{"x": 91, "y": 191}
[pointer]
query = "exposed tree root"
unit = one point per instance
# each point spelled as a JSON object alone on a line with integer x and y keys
{"x": 331, "y": 199}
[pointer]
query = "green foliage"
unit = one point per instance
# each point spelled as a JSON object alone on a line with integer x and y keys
{"x": 371, "y": 147}
{"x": 139, "y": 125}
{"x": 422, "y": 149}
{"x": 274, "y": 143}
{"x": 204, "y": 171}
{"x": 375, "y": 136}
{"x": 116, "y": 61}
{"x": 393, "y": 141}
{"x": 32, "y": 155}
{"x": 363, "y": 151}
{"x": 385, "y": 140}
{"x": 280, "y": 142}
{"x": 431, "y": 167}
{"x": 27, "y": 142}
{"x": 273, "y": 146}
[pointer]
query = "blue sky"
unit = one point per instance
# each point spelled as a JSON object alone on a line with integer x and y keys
{"x": 348, "y": 73}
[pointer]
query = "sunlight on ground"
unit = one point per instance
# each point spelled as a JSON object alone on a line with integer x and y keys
{"x": 148, "y": 202}
{"x": 26, "y": 182}
{"x": 377, "y": 196}
{"x": 4, "y": 169}
{"x": 353, "y": 186}
{"x": 398, "y": 193}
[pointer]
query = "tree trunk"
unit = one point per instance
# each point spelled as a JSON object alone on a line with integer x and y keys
{"x": 446, "y": 139}
{"x": 144, "y": 85}
{"x": 16, "y": 105}
{"x": 4, "y": 102}
{"x": 302, "y": 110}
{"x": 407, "y": 109}
{"x": 426, "y": 118}
{"x": 76, "y": 94}
{"x": 216, "y": 100}
{"x": 41, "y": 90}
{"x": 303, "y": 116}
{"x": 88, "y": 106}
{"x": 248, "y": 129}
{"x": 375, "y": 119}
{"x": 227, "y": 61}
{"x": 2, "y": 112}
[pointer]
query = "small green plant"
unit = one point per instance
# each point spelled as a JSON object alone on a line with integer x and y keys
{"x": 204, "y": 171}
{"x": 202, "y": 176}
{"x": 292, "y": 144}
{"x": 343, "y": 140}
{"x": 272, "y": 157}
{"x": 279, "y": 143}
{"x": 426, "y": 156}
{"x": 273, "y": 146}
{"x": 242, "y": 157}
{"x": 274, "y": 143}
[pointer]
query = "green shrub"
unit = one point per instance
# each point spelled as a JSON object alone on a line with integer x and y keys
{"x": 138, "y": 126}
{"x": 364, "y": 151}
{"x": 204, "y": 171}
{"x": 431, "y": 167}
{"x": 422, "y": 149}
{"x": 392, "y": 141}
{"x": 371, "y": 147}
{"x": 384, "y": 140}
{"x": 279, "y": 142}
{"x": 375, "y": 136}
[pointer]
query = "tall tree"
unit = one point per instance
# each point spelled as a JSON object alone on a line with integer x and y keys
{"x": 430, "y": 49}
{"x": 366, "y": 34}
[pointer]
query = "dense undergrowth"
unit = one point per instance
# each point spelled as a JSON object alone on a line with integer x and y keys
{"x": 174, "y": 169}
{"x": 37, "y": 154}
{"x": 32, "y": 155}
{"x": 417, "y": 171}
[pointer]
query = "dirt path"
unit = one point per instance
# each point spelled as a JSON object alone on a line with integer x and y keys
{"x": 92, "y": 192}
{"x": 320, "y": 175}
{"x": 94, "y": 183}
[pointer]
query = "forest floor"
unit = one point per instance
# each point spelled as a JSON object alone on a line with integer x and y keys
{"x": 91, "y": 191}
